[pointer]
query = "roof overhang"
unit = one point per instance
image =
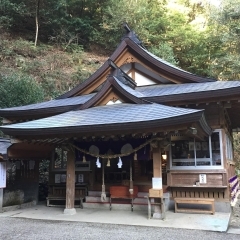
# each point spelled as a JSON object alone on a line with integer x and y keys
{"x": 110, "y": 119}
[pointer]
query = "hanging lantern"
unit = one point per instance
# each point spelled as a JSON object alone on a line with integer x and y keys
{"x": 135, "y": 156}
{"x": 84, "y": 159}
{"x": 119, "y": 163}
{"x": 164, "y": 156}
{"x": 108, "y": 163}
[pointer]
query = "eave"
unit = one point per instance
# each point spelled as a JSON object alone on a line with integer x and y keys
{"x": 162, "y": 66}
{"x": 197, "y": 97}
{"x": 97, "y": 121}
{"x": 44, "y": 109}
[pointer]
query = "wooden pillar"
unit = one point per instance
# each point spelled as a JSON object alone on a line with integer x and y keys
{"x": 157, "y": 173}
{"x": 157, "y": 162}
{"x": 70, "y": 184}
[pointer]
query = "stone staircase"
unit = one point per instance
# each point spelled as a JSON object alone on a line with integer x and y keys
{"x": 93, "y": 200}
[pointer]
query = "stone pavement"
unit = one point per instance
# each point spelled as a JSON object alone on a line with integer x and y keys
{"x": 234, "y": 224}
{"x": 217, "y": 222}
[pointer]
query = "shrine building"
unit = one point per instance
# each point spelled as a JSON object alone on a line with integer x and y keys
{"x": 137, "y": 127}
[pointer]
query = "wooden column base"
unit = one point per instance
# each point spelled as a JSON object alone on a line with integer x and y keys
{"x": 69, "y": 211}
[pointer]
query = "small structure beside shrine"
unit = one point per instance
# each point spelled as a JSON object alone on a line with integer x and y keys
{"x": 139, "y": 122}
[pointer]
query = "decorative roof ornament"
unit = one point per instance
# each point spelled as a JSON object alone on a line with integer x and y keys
{"x": 121, "y": 75}
{"x": 132, "y": 35}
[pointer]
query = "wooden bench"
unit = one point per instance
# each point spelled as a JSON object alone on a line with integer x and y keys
{"x": 122, "y": 192}
{"x": 62, "y": 198}
{"x": 195, "y": 201}
{"x": 58, "y": 193}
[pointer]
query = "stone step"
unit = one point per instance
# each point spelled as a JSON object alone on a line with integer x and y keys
{"x": 115, "y": 206}
{"x": 93, "y": 199}
{"x": 98, "y": 193}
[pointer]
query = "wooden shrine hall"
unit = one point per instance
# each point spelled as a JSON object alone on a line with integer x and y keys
{"x": 138, "y": 126}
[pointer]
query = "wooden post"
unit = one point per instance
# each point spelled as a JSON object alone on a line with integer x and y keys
{"x": 157, "y": 163}
{"x": 70, "y": 184}
{"x": 157, "y": 173}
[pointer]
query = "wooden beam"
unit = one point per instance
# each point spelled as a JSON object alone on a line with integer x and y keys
{"x": 15, "y": 140}
{"x": 6, "y": 121}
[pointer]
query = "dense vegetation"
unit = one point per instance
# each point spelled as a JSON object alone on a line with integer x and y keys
{"x": 50, "y": 46}
{"x": 51, "y": 37}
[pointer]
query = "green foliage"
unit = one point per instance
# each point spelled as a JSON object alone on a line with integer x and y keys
{"x": 194, "y": 35}
{"x": 236, "y": 138}
{"x": 11, "y": 12}
{"x": 17, "y": 90}
{"x": 225, "y": 45}
{"x": 165, "y": 52}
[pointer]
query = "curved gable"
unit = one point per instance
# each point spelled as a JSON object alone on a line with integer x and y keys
{"x": 131, "y": 51}
{"x": 112, "y": 90}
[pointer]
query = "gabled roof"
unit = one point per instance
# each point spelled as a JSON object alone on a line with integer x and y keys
{"x": 109, "y": 118}
{"x": 131, "y": 44}
{"x": 113, "y": 85}
{"x": 177, "y": 94}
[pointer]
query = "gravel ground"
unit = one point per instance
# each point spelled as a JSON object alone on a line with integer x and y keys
{"x": 235, "y": 218}
{"x": 19, "y": 228}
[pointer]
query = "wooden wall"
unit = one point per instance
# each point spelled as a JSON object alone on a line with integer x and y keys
{"x": 188, "y": 178}
{"x": 183, "y": 184}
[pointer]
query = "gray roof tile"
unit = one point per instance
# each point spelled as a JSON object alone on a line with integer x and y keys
{"x": 174, "y": 89}
{"x": 53, "y": 103}
{"x": 129, "y": 89}
{"x": 103, "y": 115}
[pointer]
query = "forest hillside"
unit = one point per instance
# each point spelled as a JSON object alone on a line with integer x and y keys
{"x": 57, "y": 44}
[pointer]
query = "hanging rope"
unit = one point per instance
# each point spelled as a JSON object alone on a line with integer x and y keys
{"x": 105, "y": 156}
{"x": 131, "y": 180}
{"x": 103, "y": 194}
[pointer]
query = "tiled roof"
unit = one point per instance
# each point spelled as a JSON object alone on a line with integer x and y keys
{"x": 129, "y": 89}
{"x": 143, "y": 92}
{"x": 174, "y": 89}
{"x": 104, "y": 115}
{"x": 53, "y": 103}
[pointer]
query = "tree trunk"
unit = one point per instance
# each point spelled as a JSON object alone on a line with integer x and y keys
{"x": 37, "y": 25}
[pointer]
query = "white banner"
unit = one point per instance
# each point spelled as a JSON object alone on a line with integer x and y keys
{"x": 157, "y": 183}
{"x": 3, "y": 169}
